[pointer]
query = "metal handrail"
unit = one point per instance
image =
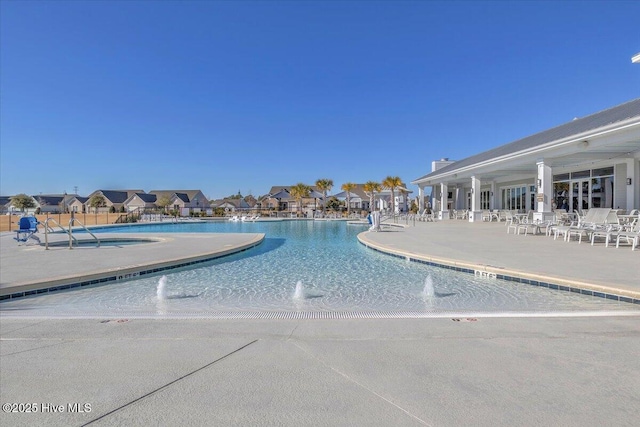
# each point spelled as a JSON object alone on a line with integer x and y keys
{"x": 71, "y": 221}
{"x": 47, "y": 228}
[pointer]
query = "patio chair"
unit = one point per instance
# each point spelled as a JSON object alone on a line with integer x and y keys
{"x": 559, "y": 218}
{"x": 608, "y": 233}
{"x": 632, "y": 236}
{"x": 596, "y": 219}
{"x": 571, "y": 221}
{"x": 27, "y": 227}
{"x": 511, "y": 221}
{"x": 528, "y": 224}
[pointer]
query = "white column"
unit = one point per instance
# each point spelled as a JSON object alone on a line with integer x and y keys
{"x": 492, "y": 196}
{"x": 633, "y": 176}
{"x": 456, "y": 192}
{"x": 544, "y": 192}
{"x": 443, "y": 213}
{"x": 476, "y": 213}
{"x": 420, "y": 199}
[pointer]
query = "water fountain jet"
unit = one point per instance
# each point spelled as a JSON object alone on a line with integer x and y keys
{"x": 161, "y": 290}
{"x": 428, "y": 291}
{"x": 299, "y": 293}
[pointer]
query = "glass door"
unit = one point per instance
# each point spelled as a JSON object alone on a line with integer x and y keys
{"x": 602, "y": 192}
{"x": 579, "y": 195}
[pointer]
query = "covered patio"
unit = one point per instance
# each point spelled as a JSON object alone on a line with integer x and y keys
{"x": 590, "y": 162}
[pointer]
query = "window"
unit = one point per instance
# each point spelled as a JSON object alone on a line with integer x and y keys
{"x": 561, "y": 195}
{"x": 484, "y": 199}
{"x": 515, "y": 198}
{"x": 589, "y": 189}
{"x": 581, "y": 174}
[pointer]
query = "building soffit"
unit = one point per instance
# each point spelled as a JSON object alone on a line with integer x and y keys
{"x": 618, "y": 140}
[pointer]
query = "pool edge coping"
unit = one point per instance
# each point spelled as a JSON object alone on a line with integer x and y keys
{"x": 602, "y": 291}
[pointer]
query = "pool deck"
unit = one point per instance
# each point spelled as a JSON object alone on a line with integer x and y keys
{"x": 579, "y": 371}
{"x": 31, "y": 267}
{"x": 486, "y": 247}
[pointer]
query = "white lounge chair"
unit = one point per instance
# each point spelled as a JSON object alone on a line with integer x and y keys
{"x": 608, "y": 233}
{"x": 632, "y": 236}
{"x": 596, "y": 219}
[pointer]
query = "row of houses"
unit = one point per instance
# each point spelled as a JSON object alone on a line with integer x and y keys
{"x": 187, "y": 202}
{"x": 115, "y": 201}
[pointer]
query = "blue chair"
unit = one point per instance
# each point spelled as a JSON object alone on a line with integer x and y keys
{"x": 27, "y": 227}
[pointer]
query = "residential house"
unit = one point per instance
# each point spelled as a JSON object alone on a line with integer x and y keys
{"x": 114, "y": 199}
{"x": 361, "y": 199}
{"x": 232, "y": 205}
{"x": 140, "y": 201}
{"x": 279, "y": 198}
{"x": 78, "y": 204}
{"x": 184, "y": 201}
{"x": 53, "y": 203}
{"x": 5, "y": 204}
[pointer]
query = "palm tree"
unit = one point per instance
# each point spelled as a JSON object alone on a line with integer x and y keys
{"x": 324, "y": 185}
{"x": 371, "y": 187}
{"x": 348, "y": 186}
{"x": 299, "y": 192}
{"x": 392, "y": 182}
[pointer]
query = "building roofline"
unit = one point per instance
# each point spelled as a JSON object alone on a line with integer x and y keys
{"x": 610, "y": 120}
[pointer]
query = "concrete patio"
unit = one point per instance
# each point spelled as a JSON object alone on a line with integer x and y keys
{"x": 580, "y": 371}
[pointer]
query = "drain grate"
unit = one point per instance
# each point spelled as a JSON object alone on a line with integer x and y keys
{"x": 319, "y": 315}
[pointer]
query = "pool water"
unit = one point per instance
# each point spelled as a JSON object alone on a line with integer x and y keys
{"x": 323, "y": 259}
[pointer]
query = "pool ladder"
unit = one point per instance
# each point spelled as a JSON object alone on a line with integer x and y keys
{"x": 69, "y": 231}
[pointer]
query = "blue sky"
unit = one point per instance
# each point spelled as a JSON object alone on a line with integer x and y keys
{"x": 238, "y": 96}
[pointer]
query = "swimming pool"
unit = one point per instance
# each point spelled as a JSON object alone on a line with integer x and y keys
{"x": 304, "y": 268}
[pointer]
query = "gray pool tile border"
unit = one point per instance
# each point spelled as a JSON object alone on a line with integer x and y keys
{"x": 510, "y": 278}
